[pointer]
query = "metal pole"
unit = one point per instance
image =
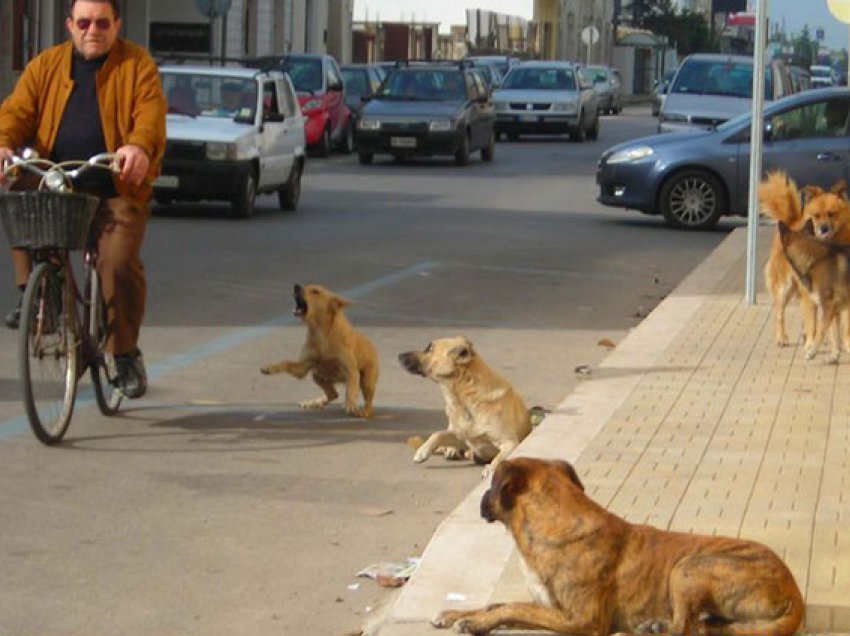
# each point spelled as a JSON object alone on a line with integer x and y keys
{"x": 756, "y": 138}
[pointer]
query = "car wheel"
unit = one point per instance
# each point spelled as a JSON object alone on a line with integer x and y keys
{"x": 462, "y": 154}
{"x": 323, "y": 148}
{"x": 288, "y": 194}
{"x": 346, "y": 146}
{"x": 243, "y": 203}
{"x": 692, "y": 200}
{"x": 593, "y": 131}
{"x": 365, "y": 158}
{"x": 579, "y": 133}
{"x": 489, "y": 151}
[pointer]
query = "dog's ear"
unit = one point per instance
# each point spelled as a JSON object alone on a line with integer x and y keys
{"x": 337, "y": 303}
{"x": 810, "y": 192}
{"x": 839, "y": 188}
{"x": 464, "y": 353}
{"x": 570, "y": 472}
{"x": 511, "y": 483}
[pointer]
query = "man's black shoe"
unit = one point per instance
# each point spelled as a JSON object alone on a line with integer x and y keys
{"x": 132, "y": 377}
{"x": 13, "y": 318}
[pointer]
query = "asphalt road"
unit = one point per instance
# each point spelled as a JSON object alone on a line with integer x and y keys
{"x": 215, "y": 506}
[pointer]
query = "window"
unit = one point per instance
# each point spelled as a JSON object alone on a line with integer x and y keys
{"x": 822, "y": 119}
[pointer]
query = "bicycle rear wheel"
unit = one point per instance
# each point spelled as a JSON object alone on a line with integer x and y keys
{"x": 104, "y": 375}
{"x": 48, "y": 353}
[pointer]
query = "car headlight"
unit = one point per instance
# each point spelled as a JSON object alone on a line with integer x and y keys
{"x": 369, "y": 124}
{"x": 564, "y": 107}
{"x": 440, "y": 125}
{"x": 500, "y": 105}
{"x": 631, "y": 154}
{"x": 312, "y": 104}
{"x": 217, "y": 151}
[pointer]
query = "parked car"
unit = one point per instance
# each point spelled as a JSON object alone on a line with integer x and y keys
{"x": 547, "y": 98}
{"x": 659, "y": 91}
{"x": 489, "y": 70}
{"x": 231, "y": 133}
{"x": 425, "y": 110}
{"x": 361, "y": 81}
{"x": 321, "y": 94}
{"x": 606, "y": 83}
{"x": 694, "y": 178}
{"x": 823, "y": 76}
{"x": 711, "y": 88}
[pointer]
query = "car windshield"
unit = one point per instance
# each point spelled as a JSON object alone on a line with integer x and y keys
{"x": 598, "y": 75}
{"x": 719, "y": 77}
{"x": 210, "y": 96}
{"x": 820, "y": 71}
{"x": 305, "y": 73}
{"x": 546, "y": 79}
{"x": 423, "y": 85}
{"x": 356, "y": 82}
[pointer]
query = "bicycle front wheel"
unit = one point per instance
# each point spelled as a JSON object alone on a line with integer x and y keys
{"x": 48, "y": 353}
{"x": 104, "y": 375}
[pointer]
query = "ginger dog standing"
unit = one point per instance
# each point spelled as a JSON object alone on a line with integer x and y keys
{"x": 334, "y": 352}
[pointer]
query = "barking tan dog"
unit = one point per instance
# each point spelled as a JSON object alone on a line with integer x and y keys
{"x": 486, "y": 415}
{"x": 593, "y": 573}
{"x": 829, "y": 213}
{"x": 334, "y": 352}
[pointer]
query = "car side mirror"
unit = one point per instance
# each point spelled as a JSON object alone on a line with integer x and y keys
{"x": 273, "y": 117}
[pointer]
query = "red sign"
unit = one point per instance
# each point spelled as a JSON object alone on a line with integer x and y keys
{"x": 741, "y": 19}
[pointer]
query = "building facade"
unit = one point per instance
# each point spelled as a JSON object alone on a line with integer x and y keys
{"x": 560, "y": 25}
{"x": 166, "y": 27}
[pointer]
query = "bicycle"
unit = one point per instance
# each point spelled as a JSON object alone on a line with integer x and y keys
{"x": 62, "y": 330}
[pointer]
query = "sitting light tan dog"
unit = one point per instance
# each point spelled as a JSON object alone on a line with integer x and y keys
{"x": 334, "y": 352}
{"x": 486, "y": 416}
{"x": 593, "y": 573}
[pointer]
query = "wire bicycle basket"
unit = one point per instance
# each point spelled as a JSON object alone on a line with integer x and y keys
{"x": 40, "y": 219}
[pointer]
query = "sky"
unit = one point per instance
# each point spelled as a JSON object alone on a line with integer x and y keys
{"x": 795, "y": 14}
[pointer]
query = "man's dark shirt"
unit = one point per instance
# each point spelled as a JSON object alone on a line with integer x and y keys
{"x": 80, "y": 134}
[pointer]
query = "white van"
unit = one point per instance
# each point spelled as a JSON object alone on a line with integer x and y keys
{"x": 711, "y": 88}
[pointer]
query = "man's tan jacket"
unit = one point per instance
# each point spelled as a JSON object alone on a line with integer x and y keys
{"x": 129, "y": 94}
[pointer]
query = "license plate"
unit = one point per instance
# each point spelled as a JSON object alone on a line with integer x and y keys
{"x": 166, "y": 181}
{"x": 403, "y": 142}
{"x": 528, "y": 117}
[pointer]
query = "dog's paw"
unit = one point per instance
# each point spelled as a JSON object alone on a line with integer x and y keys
{"x": 314, "y": 404}
{"x": 452, "y": 453}
{"x": 358, "y": 411}
{"x": 811, "y": 352}
{"x": 833, "y": 357}
{"x": 421, "y": 455}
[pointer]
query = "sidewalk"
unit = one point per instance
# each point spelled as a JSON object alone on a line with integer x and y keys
{"x": 696, "y": 422}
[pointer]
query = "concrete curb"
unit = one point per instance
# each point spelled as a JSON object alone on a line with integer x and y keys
{"x": 466, "y": 556}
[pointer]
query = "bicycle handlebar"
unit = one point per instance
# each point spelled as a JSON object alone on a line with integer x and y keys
{"x": 59, "y": 177}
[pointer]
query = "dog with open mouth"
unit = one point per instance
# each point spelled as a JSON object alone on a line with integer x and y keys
{"x": 334, "y": 352}
{"x": 591, "y": 572}
{"x": 487, "y": 417}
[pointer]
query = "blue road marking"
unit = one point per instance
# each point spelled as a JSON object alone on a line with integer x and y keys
{"x": 12, "y": 427}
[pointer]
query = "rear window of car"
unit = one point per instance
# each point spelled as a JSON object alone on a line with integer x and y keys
{"x": 209, "y": 96}
{"x": 305, "y": 73}
{"x": 719, "y": 77}
{"x": 423, "y": 84}
{"x": 598, "y": 75}
{"x": 556, "y": 79}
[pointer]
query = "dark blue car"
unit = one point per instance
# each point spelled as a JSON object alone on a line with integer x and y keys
{"x": 694, "y": 178}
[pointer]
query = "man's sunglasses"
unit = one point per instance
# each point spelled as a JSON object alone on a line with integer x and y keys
{"x": 102, "y": 24}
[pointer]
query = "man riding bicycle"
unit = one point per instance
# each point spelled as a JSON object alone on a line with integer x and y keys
{"x": 98, "y": 93}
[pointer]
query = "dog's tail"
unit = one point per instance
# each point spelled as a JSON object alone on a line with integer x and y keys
{"x": 779, "y": 198}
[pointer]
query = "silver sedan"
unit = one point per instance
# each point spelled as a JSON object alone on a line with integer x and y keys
{"x": 547, "y": 98}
